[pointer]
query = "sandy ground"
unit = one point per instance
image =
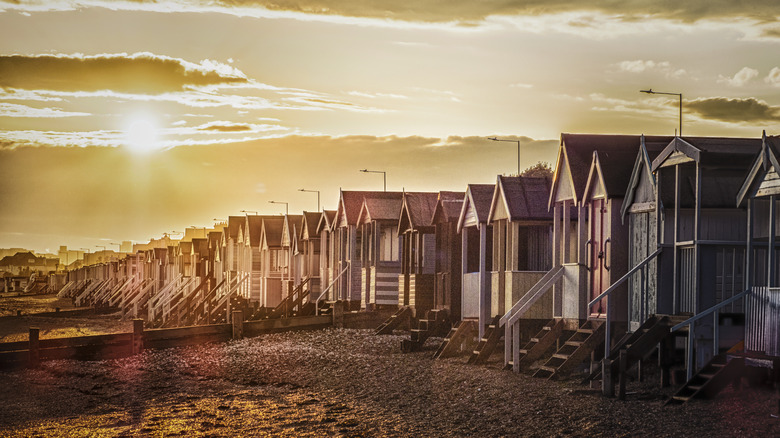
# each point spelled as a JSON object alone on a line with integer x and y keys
{"x": 340, "y": 382}
{"x": 16, "y": 328}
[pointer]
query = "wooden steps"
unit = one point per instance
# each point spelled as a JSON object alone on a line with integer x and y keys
{"x": 435, "y": 322}
{"x": 488, "y": 343}
{"x": 387, "y": 327}
{"x": 537, "y": 346}
{"x": 455, "y": 338}
{"x": 710, "y": 380}
{"x": 574, "y": 351}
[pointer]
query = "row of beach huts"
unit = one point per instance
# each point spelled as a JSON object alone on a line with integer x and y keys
{"x": 637, "y": 245}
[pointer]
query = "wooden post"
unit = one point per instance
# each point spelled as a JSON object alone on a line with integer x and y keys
{"x": 622, "y": 375}
{"x": 34, "y": 348}
{"x": 338, "y": 314}
{"x": 607, "y": 381}
{"x": 238, "y": 324}
{"x": 137, "y": 344}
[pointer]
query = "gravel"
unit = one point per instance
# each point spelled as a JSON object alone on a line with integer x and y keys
{"x": 340, "y": 382}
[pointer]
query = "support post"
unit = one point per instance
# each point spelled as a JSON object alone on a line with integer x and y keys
{"x": 607, "y": 382}
{"x": 622, "y": 374}
{"x": 338, "y": 314}
{"x": 238, "y": 324}
{"x": 137, "y": 345}
{"x": 34, "y": 348}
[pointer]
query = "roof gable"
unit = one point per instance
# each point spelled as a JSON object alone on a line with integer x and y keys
{"x": 763, "y": 173}
{"x": 476, "y": 205}
{"x": 520, "y": 198}
{"x": 417, "y": 211}
{"x": 384, "y": 206}
{"x": 326, "y": 221}
{"x": 448, "y": 207}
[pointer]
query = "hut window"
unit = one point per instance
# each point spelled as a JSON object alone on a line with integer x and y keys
{"x": 388, "y": 245}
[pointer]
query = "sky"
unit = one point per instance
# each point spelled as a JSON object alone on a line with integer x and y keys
{"x": 127, "y": 120}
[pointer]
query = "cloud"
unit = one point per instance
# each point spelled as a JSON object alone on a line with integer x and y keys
{"x": 773, "y": 77}
{"x": 138, "y": 73}
{"x": 741, "y": 78}
{"x": 734, "y": 110}
{"x": 225, "y": 127}
{"x": 521, "y": 85}
{"x": 641, "y": 66}
{"x": 15, "y": 110}
{"x": 464, "y": 12}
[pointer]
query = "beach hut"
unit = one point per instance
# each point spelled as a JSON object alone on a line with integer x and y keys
{"x": 760, "y": 194}
{"x": 447, "y": 286}
{"x": 327, "y": 255}
{"x": 476, "y": 254}
{"x": 310, "y": 250}
{"x": 418, "y": 253}
{"x": 272, "y": 267}
{"x": 379, "y": 249}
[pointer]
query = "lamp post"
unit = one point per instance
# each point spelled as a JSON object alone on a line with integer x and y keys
{"x": 313, "y": 191}
{"x": 518, "y": 149}
{"x": 384, "y": 176}
{"x": 248, "y": 211}
{"x": 101, "y": 246}
{"x": 650, "y": 91}
{"x": 286, "y": 205}
{"x": 119, "y": 246}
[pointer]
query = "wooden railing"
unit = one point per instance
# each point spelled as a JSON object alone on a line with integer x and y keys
{"x": 293, "y": 300}
{"x": 510, "y": 320}
{"x": 715, "y": 332}
{"x": 325, "y": 292}
{"x": 639, "y": 267}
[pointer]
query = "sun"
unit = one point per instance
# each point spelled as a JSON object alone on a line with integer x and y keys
{"x": 141, "y": 134}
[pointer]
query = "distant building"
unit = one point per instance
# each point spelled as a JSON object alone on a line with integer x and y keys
{"x": 25, "y": 263}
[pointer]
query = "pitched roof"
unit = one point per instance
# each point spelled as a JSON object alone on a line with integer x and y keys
{"x": 643, "y": 161}
{"x": 326, "y": 220}
{"x": 234, "y": 223}
{"x": 524, "y": 198}
{"x": 477, "y": 199}
{"x": 350, "y": 203}
{"x": 272, "y": 231}
{"x": 309, "y": 225}
{"x": 254, "y": 225}
{"x": 381, "y": 206}
{"x": 448, "y": 206}
{"x": 417, "y": 211}
{"x": 579, "y": 148}
{"x": 289, "y": 227}
{"x": 719, "y": 152}
{"x": 768, "y": 157}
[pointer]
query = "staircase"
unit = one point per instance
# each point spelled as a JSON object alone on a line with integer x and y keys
{"x": 639, "y": 344}
{"x": 537, "y": 346}
{"x": 434, "y": 323}
{"x": 488, "y": 343}
{"x": 387, "y": 327}
{"x": 292, "y": 304}
{"x": 574, "y": 351}
{"x": 451, "y": 345}
{"x": 711, "y": 379}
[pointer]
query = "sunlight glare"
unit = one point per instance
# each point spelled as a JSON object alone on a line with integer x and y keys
{"x": 141, "y": 135}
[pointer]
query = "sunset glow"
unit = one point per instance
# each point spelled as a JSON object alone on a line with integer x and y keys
{"x": 238, "y": 103}
{"x": 141, "y": 135}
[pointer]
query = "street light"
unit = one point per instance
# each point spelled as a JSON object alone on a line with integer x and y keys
{"x": 286, "y": 205}
{"x": 650, "y": 91}
{"x": 101, "y": 246}
{"x": 119, "y": 245}
{"x": 248, "y": 211}
{"x": 85, "y": 249}
{"x": 518, "y": 149}
{"x": 313, "y": 191}
{"x": 384, "y": 175}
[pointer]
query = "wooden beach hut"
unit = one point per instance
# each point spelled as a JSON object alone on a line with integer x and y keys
{"x": 271, "y": 267}
{"x": 380, "y": 249}
{"x": 418, "y": 253}
{"x": 447, "y": 286}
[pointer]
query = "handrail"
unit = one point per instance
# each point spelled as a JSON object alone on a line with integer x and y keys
{"x": 285, "y": 303}
{"x": 530, "y": 297}
{"x": 715, "y": 338}
{"x": 324, "y": 292}
{"x": 625, "y": 277}
{"x": 700, "y": 315}
{"x": 614, "y": 286}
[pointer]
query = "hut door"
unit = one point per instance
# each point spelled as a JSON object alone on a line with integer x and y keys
{"x": 599, "y": 277}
